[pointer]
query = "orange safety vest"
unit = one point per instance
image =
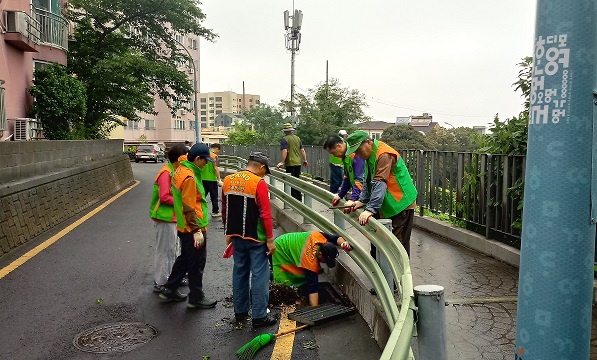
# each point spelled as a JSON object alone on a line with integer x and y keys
{"x": 242, "y": 212}
{"x": 180, "y": 175}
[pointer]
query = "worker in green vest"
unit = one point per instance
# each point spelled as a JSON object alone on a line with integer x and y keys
{"x": 210, "y": 175}
{"x": 353, "y": 167}
{"x": 297, "y": 258}
{"x": 161, "y": 212}
{"x": 292, "y": 148}
{"x": 389, "y": 191}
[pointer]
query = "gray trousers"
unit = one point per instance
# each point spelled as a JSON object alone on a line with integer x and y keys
{"x": 165, "y": 250}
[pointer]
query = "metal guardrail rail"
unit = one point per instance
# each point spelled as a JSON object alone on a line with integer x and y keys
{"x": 400, "y": 319}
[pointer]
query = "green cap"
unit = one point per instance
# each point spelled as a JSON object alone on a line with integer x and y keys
{"x": 355, "y": 140}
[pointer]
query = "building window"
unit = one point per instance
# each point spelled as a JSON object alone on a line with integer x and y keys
{"x": 204, "y": 106}
{"x": 218, "y": 111}
{"x": 239, "y": 106}
{"x": 211, "y": 99}
{"x": 211, "y": 105}
{"x": 203, "y": 100}
{"x": 218, "y": 106}
{"x": 179, "y": 124}
{"x": 178, "y": 37}
{"x": 203, "y": 118}
{"x": 192, "y": 125}
{"x": 193, "y": 44}
{"x": 250, "y": 100}
{"x": 251, "y": 106}
{"x": 203, "y": 126}
{"x": 218, "y": 98}
{"x": 52, "y": 6}
{"x": 257, "y": 102}
{"x": 211, "y": 111}
{"x": 375, "y": 135}
{"x": 204, "y": 113}
{"x": 132, "y": 125}
{"x": 149, "y": 124}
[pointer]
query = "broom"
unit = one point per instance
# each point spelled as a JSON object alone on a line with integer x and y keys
{"x": 247, "y": 352}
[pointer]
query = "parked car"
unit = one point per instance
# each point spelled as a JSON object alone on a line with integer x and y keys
{"x": 149, "y": 152}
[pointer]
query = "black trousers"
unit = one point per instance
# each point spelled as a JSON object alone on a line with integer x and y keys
{"x": 211, "y": 189}
{"x": 296, "y": 172}
{"x": 402, "y": 226}
{"x": 191, "y": 261}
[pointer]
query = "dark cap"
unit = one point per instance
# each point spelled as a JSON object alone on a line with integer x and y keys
{"x": 261, "y": 158}
{"x": 330, "y": 252}
{"x": 200, "y": 150}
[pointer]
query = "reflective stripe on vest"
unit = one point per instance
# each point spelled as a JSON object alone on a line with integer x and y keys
{"x": 401, "y": 191}
{"x": 242, "y": 211}
{"x": 158, "y": 210}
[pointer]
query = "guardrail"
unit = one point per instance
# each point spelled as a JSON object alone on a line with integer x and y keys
{"x": 53, "y": 28}
{"x": 400, "y": 319}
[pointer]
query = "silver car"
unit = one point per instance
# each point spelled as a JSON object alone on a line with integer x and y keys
{"x": 149, "y": 152}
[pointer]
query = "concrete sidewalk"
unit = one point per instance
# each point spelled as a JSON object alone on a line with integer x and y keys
{"x": 481, "y": 291}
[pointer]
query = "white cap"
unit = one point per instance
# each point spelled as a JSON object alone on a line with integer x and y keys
{"x": 342, "y": 133}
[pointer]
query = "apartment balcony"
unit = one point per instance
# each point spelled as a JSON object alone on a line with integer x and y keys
{"x": 22, "y": 31}
{"x": 53, "y": 28}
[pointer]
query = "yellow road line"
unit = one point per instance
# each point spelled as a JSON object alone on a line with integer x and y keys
{"x": 283, "y": 345}
{"x": 39, "y": 248}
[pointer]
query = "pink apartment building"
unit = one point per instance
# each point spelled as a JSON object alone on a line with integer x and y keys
{"x": 32, "y": 34}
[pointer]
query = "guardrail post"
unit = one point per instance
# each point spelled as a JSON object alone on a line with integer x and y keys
{"x": 287, "y": 191}
{"x": 431, "y": 323}
{"x": 383, "y": 262}
{"x": 309, "y": 203}
{"x": 339, "y": 221}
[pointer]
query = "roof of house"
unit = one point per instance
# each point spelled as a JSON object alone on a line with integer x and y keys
{"x": 426, "y": 128}
{"x": 374, "y": 125}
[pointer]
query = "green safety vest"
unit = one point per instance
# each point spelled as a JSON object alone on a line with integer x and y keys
{"x": 401, "y": 191}
{"x": 158, "y": 210}
{"x": 336, "y": 161}
{"x": 208, "y": 173}
{"x": 295, "y": 252}
{"x": 293, "y": 145}
{"x": 348, "y": 169}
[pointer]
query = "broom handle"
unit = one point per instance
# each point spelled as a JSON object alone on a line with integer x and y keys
{"x": 282, "y": 333}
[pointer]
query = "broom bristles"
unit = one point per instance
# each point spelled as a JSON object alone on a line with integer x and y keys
{"x": 248, "y": 351}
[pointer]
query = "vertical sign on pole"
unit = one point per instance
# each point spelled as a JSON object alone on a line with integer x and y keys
{"x": 558, "y": 232}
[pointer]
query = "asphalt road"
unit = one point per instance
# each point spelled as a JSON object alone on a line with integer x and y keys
{"x": 101, "y": 273}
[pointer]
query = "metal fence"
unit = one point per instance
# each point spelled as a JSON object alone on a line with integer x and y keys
{"x": 53, "y": 28}
{"x": 484, "y": 191}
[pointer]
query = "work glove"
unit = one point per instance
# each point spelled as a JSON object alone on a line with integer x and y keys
{"x": 348, "y": 209}
{"x": 336, "y": 200}
{"x": 364, "y": 217}
{"x": 355, "y": 206}
{"x": 346, "y": 246}
{"x": 220, "y": 183}
{"x": 306, "y": 163}
{"x": 199, "y": 240}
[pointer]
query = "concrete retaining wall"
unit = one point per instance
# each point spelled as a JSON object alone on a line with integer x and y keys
{"x": 26, "y": 159}
{"x": 30, "y": 206}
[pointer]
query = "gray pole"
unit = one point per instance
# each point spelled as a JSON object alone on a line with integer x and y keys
{"x": 555, "y": 288}
{"x": 383, "y": 262}
{"x": 197, "y": 127}
{"x": 431, "y": 322}
{"x": 292, "y": 53}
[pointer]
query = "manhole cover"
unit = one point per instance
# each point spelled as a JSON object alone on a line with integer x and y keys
{"x": 117, "y": 337}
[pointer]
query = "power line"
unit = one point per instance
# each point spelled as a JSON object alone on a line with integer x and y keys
{"x": 415, "y": 109}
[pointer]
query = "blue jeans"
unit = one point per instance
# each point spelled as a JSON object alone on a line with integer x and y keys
{"x": 336, "y": 177}
{"x": 250, "y": 258}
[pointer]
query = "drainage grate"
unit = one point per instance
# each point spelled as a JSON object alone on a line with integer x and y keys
{"x": 321, "y": 314}
{"x": 116, "y": 337}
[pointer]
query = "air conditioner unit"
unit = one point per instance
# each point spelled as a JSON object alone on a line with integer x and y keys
{"x": 191, "y": 70}
{"x": 27, "y": 129}
{"x": 183, "y": 111}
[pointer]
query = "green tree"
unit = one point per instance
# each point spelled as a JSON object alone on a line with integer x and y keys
{"x": 125, "y": 52}
{"x": 267, "y": 121}
{"x": 405, "y": 137}
{"x": 326, "y": 109}
{"x": 241, "y": 133}
{"x": 441, "y": 139}
{"x": 59, "y": 103}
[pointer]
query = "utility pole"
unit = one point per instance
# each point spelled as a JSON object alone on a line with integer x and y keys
{"x": 555, "y": 287}
{"x": 195, "y": 90}
{"x": 293, "y": 42}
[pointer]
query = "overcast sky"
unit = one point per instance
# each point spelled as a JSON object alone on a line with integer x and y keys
{"x": 454, "y": 59}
